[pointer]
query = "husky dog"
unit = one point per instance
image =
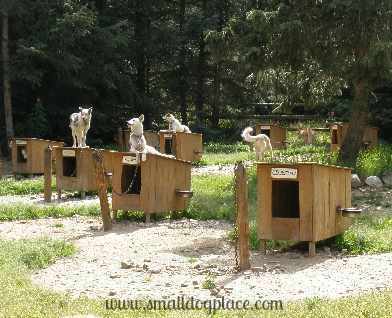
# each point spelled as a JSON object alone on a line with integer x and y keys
{"x": 261, "y": 142}
{"x": 80, "y": 124}
{"x": 307, "y": 135}
{"x": 137, "y": 141}
{"x": 175, "y": 125}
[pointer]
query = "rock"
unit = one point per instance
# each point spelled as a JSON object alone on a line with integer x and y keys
{"x": 355, "y": 181}
{"x": 155, "y": 271}
{"x": 184, "y": 285}
{"x": 145, "y": 267}
{"x": 374, "y": 181}
{"x": 387, "y": 178}
{"x": 125, "y": 265}
{"x": 115, "y": 276}
{"x": 195, "y": 282}
{"x": 112, "y": 293}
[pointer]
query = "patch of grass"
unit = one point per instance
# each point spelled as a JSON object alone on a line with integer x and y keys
{"x": 370, "y": 233}
{"x": 375, "y": 161}
{"x": 208, "y": 283}
{"x": 225, "y": 158}
{"x": 11, "y": 212}
{"x": 10, "y": 186}
{"x": 226, "y": 148}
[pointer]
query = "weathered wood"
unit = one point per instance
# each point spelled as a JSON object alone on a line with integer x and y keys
{"x": 242, "y": 215}
{"x": 102, "y": 190}
{"x": 48, "y": 175}
{"x": 312, "y": 249}
{"x": 185, "y": 146}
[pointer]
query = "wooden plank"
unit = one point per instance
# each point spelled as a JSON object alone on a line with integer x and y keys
{"x": 242, "y": 216}
{"x": 320, "y": 200}
{"x": 264, "y": 202}
{"x": 305, "y": 178}
{"x": 285, "y": 229}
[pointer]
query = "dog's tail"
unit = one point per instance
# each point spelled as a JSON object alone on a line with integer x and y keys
{"x": 246, "y": 135}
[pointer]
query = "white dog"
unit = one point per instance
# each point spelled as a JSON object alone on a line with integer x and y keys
{"x": 80, "y": 124}
{"x": 261, "y": 142}
{"x": 307, "y": 135}
{"x": 137, "y": 141}
{"x": 175, "y": 125}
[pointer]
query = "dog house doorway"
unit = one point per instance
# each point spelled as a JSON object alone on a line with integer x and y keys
{"x": 69, "y": 167}
{"x": 265, "y": 130}
{"x": 285, "y": 199}
{"x": 131, "y": 179}
{"x": 169, "y": 145}
{"x": 21, "y": 152}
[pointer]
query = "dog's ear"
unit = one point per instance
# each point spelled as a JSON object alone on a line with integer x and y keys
{"x": 80, "y": 108}
{"x": 141, "y": 118}
{"x": 90, "y": 110}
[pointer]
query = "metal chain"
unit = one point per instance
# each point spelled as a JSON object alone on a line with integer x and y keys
{"x": 130, "y": 185}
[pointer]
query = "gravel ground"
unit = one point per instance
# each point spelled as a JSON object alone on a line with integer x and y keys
{"x": 172, "y": 258}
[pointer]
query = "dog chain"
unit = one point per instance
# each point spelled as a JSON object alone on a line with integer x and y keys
{"x": 130, "y": 185}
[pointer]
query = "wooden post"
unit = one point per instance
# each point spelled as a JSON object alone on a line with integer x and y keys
{"x": 312, "y": 249}
{"x": 102, "y": 190}
{"x": 241, "y": 197}
{"x": 263, "y": 246}
{"x": 48, "y": 174}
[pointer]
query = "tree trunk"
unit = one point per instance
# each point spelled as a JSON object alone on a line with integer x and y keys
{"x": 182, "y": 69}
{"x": 359, "y": 117}
{"x": 216, "y": 99}
{"x": 6, "y": 77}
{"x": 199, "y": 102}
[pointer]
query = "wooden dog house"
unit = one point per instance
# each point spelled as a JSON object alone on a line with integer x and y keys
{"x": 339, "y": 131}
{"x": 184, "y": 146}
{"x": 28, "y": 154}
{"x": 75, "y": 169}
{"x": 150, "y": 183}
{"x": 152, "y": 139}
{"x": 276, "y": 134}
{"x": 302, "y": 202}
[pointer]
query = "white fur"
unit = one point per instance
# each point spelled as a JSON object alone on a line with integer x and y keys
{"x": 307, "y": 135}
{"x": 80, "y": 124}
{"x": 175, "y": 125}
{"x": 261, "y": 142}
{"x": 137, "y": 141}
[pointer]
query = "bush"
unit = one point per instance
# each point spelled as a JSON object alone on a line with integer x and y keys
{"x": 375, "y": 161}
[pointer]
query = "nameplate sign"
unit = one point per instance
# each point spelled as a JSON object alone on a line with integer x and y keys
{"x": 168, "y": 136}
{"x": 68, "y": 153}
{"x": 21, "y": 142}
{"x": 130, "y": 160}
{"x": 265, "y": 127}
{"x": 284, "y": 173}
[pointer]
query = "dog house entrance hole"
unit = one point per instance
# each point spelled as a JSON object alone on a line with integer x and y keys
{"x": 169, "y": 145}
{"x": 21, "y": 154}
{"x": 131, "y": 180}
{"x": 285, "y": 199}
{"x": 265, "y": 131}
{"x": 69, "y": 167}
{"x": 334, "y": 136}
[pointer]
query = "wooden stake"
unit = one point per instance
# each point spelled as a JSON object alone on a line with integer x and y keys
{"x": 102, "y": 190}
{"x": 48, "y": 174}
{"x": 312, "y": 249}
{"x": 242, "y": 215}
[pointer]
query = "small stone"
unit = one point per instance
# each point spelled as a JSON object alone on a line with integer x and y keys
{"x": 184, "y": 285}
{"x": 112, "y": 293}
{"x": 374, "y": 181}
{"x": 167, "y": 285}
{"x": 155, "y": 271}
{"x": 147, "y": 260}
{"x": 115, "y": 276}
{"x": 195, "y": 282}
{"x": 355, "y": 181}
{"x": 387, "y": 178}
{"x": 94, "y": 228}
{"x": 145, "y": 267}
{"x": 125, "y": 265}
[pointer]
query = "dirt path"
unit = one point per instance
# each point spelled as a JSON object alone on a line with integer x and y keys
{"x": 173, "y": 258}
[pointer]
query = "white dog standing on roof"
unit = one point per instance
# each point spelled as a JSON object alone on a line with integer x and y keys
{"x": 261, "y": 142}
{"x": 137, "y": 141}
{"x": 175, "y": 125}
{"x": 80, "y": 124}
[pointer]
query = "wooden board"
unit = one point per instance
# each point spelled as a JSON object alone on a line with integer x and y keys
{"x": 277, "y": 134}
{"x": 185, "y": 146}
{"x": 305, "y": 178}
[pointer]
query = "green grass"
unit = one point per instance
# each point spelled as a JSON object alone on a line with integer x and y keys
{"x": 10, "y": 186}
{"x": 11, "y": 212}
{"x": 375, "y": 162}
{"x": 20, "y": 298}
